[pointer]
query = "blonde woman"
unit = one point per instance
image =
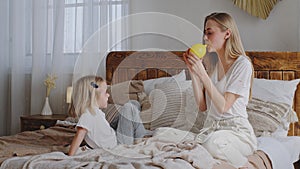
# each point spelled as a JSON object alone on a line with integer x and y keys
{"x": 89, "y": 96}
{"x": 223, "y": 91}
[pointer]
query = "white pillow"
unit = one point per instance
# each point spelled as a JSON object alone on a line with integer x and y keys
{"x": 149, "y": 84}
{"x": 292, "y": 144}
{"x": 278, "y": 91}
{"x": 277, "y": 152}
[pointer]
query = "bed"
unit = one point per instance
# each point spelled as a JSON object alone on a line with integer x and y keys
{"x": 47, "y": 148}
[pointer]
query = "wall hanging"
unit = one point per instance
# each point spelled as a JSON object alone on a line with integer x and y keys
{"x": 258, "y": 8}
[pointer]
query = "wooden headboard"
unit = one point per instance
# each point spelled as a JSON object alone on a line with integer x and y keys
{"x": 141, "y": 65}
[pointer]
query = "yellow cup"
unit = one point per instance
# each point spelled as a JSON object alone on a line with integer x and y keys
{"x": 199, "y": 50}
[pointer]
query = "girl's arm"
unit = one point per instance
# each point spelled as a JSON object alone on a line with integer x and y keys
{"x": 77, "y": 140}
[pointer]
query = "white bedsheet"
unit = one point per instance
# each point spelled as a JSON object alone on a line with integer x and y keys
{"x": 283, "y": 152}
{"x": 168, "y": 149}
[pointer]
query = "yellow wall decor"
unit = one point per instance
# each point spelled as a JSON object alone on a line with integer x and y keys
{"x": 258, "y": 8}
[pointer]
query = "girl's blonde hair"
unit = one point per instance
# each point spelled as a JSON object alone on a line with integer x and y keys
{"x": 233, "y": 47}
{"x": 84, "y": 95}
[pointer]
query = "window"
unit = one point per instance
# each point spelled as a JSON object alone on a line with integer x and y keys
{"x": 106, "y": 11}
{"x": 99, "y": 13}
{"x": 73, "y": 27}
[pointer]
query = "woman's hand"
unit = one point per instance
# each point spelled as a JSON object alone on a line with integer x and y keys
{"x": 196, "y": 70}
{"x": 194, "y": 64}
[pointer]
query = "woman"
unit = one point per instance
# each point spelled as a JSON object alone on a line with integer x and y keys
{"x": 89, "y": 96}
{"x": 224, "y": 92}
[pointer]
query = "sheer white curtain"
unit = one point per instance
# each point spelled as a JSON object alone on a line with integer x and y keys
{"x": 4, "y": 65}
{"x": 41, "y": 37}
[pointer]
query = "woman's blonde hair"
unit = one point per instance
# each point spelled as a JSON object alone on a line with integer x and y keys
{"x": 233, "y": 47}
{"x": 84, "y": 95}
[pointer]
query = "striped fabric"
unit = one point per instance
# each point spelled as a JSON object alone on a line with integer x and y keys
{"x": 167, "y": 106}
{"x": 111, "y": 112}
{"x": 267, "y": 117}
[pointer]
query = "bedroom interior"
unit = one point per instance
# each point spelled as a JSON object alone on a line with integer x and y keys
{"x": 146, "y": 65}
{"x": 273, "y": 50}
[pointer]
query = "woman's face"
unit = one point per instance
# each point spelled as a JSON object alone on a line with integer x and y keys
{"x": 214, "y": 37}
{"x": 102, "y": 95}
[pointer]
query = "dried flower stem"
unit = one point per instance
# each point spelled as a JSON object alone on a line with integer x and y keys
{"x": 50, "y": 83}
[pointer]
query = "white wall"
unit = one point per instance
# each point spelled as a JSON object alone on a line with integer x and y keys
{"x": 280, "y": 32}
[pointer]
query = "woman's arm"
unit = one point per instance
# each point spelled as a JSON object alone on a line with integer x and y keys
{"x": 200, "y": 76}
{"x": 198, "y": 92}
{"x": 77, "y": 140}
{"x": 197, "y": 86}
{"x": 222, "y": 103}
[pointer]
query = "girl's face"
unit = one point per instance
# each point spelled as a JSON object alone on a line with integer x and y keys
{"x": 213, "y": 36}
{"x": 102, "y": 95}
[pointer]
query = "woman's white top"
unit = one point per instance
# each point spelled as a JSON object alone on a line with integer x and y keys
{"x": 99, "y": 134}
{"x": 237, "y": 80}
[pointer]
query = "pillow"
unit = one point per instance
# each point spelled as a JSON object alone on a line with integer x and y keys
{"x": 269, "y": 117}
{"x": 278, "y": 91}
{"x": 167, "y": 100}
{"x": 149, "y": 85}
{"x": 194, "y": 118}
{"x": 173, "y": 105}
{"x": 147, "y": 108}
{"x": 111, "y": 112}
{"x": 121, "y": 93}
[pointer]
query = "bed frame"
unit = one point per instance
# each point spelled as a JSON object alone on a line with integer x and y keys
{"x": 141, "y": 65}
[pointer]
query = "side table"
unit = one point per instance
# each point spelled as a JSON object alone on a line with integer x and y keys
{"x": 36, "y": 122}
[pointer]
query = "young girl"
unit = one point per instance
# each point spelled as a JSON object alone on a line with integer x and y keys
{"x": 89, "y": 96}
{"x": 224, "y": 92}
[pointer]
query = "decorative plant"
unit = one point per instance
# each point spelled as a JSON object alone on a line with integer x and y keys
{"x": 50, "y": 83}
